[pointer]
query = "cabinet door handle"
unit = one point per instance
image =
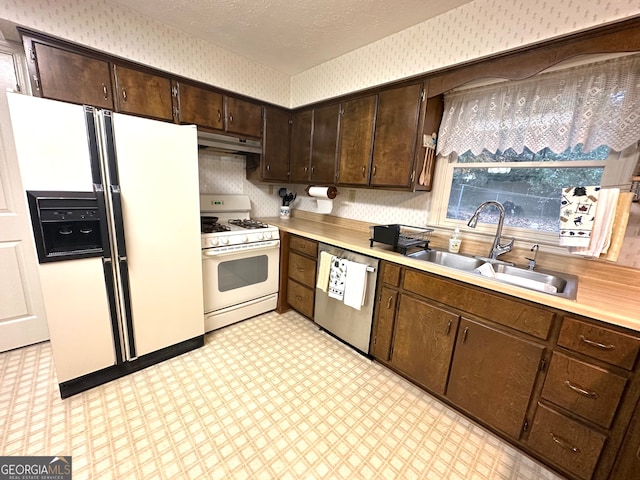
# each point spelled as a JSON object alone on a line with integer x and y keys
{"x": 448, "y": 328}
{"x": 301, "y": 270}
{"x": 313, "y": 170}
{"x": 219, "y": 115}
{"x": 104, "y": 91}
{"x": 374, "y": 170}
{"x": 124, "y": 95}
{"x": 306, "y": 169}
{"x": 268, "y": 167}
{"x": 389, "y": 302}
{"x": 231, "y": 118}
{"x": 299, "y": 298}
{"x": 464, "y": 334}
{"x": 580, "y": 390}
{"x": 596, "y": 344}
{"x": 564, "y": 444}
{"x": 363, "y": 170}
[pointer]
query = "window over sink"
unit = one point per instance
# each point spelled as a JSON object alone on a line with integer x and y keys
{"x": 521, "y": 142}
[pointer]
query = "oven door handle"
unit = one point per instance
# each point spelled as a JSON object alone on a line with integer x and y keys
{"x": 223, "y": 252}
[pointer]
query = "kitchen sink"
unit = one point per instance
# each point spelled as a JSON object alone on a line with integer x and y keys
{"x": 546, "y": 281}
{"x": 561, "y": 284}
{"x": 447, "y": 259}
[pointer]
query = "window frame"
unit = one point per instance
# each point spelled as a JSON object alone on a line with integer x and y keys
{"x": 443, "y": 178}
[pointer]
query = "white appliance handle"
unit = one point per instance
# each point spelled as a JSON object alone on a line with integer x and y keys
{"x": 238, "y": 249}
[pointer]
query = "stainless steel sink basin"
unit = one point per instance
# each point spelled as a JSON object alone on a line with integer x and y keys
{"x": 452, "y": 260}
{"x": 561, "y": 284}
{"x": 546, "y": 281}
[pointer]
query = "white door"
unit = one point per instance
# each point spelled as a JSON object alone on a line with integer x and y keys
{"x": 22, "y": 314}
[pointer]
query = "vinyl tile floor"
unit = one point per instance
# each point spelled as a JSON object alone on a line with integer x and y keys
{"x": 272, "y": 397}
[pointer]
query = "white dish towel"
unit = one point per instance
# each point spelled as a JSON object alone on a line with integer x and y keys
{"x": 356, "y": 287}
{"x": 337, "y": 278}
{"x": 323, "y": 271}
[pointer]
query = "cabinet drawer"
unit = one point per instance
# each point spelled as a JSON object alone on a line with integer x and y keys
{"x": 303, "y": 245}
{"x": 599, "y": 342}
{"x": 584, "y": 389}
{"x": 391, "y": 274}
{"x": 301, "y": 298}
{"x": 302, "y": 269}
{"x": 512, "y": 313}
{"x": 569, "y": 444}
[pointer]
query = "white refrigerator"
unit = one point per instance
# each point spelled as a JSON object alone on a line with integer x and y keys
{"x": 141, "y": 301}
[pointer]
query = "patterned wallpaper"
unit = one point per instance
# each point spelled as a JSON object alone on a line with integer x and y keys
{"x": 474, "y": 30}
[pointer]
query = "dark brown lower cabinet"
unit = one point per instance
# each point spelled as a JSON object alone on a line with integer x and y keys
{"x": 423, "y": 342}
{"x": 383, "y": 329}
{"x": 628, "y": 461}
{"x": 567, "y": 443}
{"x": 493, "y": 374}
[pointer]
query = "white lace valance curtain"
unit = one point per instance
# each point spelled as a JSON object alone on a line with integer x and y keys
{"x": 596, "y": 104}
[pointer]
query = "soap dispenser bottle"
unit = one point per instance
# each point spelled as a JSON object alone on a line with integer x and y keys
{"x": 455, "y": 240}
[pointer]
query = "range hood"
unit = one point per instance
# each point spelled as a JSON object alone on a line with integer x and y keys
{"x": 227, "y": 143}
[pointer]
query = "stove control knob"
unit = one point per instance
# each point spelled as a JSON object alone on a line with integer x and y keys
{"x": 260, "y": 236}
{"x": 267, "y": 235}
{"x": 245, "y": 239}
{"x": 213, "y": 242}
{"x": 224, "y": 241}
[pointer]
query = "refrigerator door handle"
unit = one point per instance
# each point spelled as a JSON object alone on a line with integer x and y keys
{"x": 126, "y": 299}
{"x": 116, "y": 203}
{"x": 113, "y": 308}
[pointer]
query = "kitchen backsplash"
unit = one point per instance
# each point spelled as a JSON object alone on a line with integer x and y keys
{"x": 220, "y": 173}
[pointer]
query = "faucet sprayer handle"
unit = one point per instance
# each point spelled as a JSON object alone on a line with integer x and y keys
{"x": 532, "y": 261}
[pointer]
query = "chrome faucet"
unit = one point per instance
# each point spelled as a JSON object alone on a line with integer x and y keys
{"x": 497, "y": 248}
{"x": 532, "y": 261}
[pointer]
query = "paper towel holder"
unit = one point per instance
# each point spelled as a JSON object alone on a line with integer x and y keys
{"x": 332, "y": 192}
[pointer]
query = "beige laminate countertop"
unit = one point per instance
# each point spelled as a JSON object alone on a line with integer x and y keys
{"x": 609, "y": 300}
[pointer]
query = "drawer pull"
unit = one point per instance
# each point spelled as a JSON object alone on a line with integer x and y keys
{"x": 564, "y": 444}
{"x": 580, "y": 390}
{"x": 448, "y": 328}
{"x": 596, "y": 344}
{"x": 299, "y": 298}
{"x": 301, "y": 270}
{"x": 389, "y": 303}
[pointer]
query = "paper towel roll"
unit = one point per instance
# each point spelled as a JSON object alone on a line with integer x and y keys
{"x": 323, "y": 192}
{"x": 324, "y": 196}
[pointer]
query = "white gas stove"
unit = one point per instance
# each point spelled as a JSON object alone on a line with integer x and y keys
{"x": 240, "y": 261}
{"x": 226, "y": 223}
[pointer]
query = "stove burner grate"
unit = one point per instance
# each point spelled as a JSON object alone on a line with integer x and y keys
{"x": 247, "y": 223}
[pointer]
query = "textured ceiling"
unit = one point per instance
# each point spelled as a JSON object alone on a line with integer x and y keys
{"x": 291, "y": 36}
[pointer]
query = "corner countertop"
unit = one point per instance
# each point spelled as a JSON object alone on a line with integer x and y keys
{"x": 607, "y": 300}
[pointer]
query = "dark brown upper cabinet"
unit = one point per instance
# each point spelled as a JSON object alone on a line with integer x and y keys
{"x": 355, "y": 140}
{"x": 324, "y": 141}
{"x": 142, "y": 93}
{"x": 395, "y": 137}
{"x": 275, "y": 145}
{"x": 67, "y": 76}
{"x": 243, "y": 118}
{"x": 199, "y": 106}
{"x": 300, "y": 151}
{"x": 314, "y": 135}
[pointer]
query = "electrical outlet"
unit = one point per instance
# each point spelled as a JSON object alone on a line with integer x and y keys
{"x": 426, "y": 140}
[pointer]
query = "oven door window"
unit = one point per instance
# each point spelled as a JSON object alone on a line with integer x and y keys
{"x": 243, "y": 272}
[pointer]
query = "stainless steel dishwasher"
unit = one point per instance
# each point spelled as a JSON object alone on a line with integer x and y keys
{"x": 347, "y": 323}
